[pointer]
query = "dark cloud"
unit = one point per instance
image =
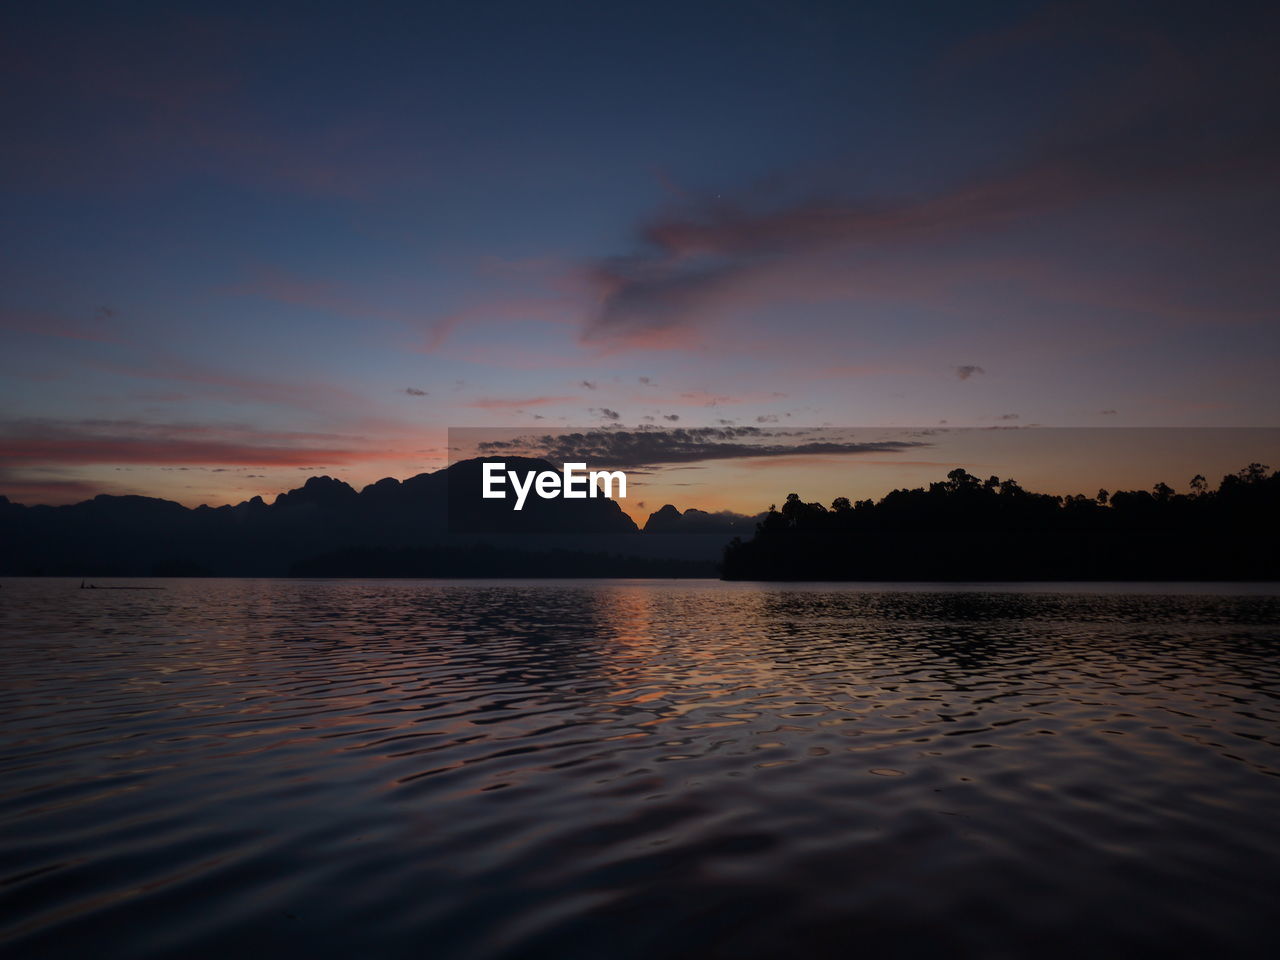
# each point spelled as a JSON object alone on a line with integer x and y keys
{"x": 673, "y": 417}
{"x": 1008, "y": 416}
{"x": 415, "y": 392}
{"x": 1149, "y": 126}
{"x": 1106, "y": 413}
{"x": 967, "y": 370}
{"x": 646, "y": 448}
{"x": 608, "y": 414}
{"x": 767, "y": 418}
{"x": 589, "y": 384}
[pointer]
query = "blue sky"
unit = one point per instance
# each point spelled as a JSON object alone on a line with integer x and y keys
{"x": 243, "y": 243}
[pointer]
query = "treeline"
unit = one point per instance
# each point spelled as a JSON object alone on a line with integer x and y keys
{"x": 965, "y": 528}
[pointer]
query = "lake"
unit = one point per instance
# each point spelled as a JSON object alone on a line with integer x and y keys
{"x": 625, "y": 769}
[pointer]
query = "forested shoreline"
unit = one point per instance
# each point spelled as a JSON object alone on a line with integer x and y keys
{"x": 965, "y": 528}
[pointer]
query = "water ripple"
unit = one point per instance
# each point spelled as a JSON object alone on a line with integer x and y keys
{"x": 637, "y": 769}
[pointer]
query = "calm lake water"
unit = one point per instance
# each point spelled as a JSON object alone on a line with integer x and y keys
{"x": 638, "y": 769}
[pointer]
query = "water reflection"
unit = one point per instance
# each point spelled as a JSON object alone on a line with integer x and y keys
{"x": 588, "y": 770}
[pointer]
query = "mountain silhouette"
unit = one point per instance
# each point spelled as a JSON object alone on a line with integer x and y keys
{"x": 439, "y": 512}
{"x": 669, "y": 519}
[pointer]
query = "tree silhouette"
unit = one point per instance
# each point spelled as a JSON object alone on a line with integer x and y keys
{"x": 964, "y": 528}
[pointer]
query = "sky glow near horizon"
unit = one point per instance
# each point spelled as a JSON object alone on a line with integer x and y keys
{"x": 717, "y": 471}
{"x": 244, "y": 246}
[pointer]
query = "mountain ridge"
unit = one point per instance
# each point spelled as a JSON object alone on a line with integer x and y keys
{"x": 130, "y": 534}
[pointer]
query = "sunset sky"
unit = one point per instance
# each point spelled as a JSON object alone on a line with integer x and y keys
{"x": 245, "y": 246}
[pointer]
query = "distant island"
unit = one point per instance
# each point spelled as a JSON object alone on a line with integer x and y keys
{"x": 965, "y": 528}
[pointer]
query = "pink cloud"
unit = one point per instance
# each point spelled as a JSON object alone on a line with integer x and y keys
{"x": 330, "y": 297}
{"x": 843, "y": 370}
{"x": 1155, "y": 132}
{"x": 238, "y": 386}
{"x": 432, "y": 329}
{"x": 488, "y": 312}
{"x": 702, "y": 398}
{"x": 46, "y": 442}
{"x": 505, "y": 403}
